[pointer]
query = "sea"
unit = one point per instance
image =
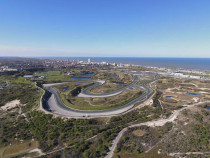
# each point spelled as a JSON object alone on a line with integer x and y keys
{"x": 182, "y": 63}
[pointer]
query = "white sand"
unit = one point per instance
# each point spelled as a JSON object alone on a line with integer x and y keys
{"x": 36, "y": 150}
{"x": 10, "y": 105}
{"x": 196, "y": 99}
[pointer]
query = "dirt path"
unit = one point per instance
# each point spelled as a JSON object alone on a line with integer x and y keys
{"x": 189, "y": 153}
{"x": 154, "y": 123}
{"x": 115, "y": 142}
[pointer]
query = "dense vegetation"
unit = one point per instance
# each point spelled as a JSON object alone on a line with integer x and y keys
{"x": 76, "y": 91}
{"x": 11, "y": 129}
{"x": 194, "y": 136}
{"x": 134, "y": 138}
{"x": 20, "y": 89}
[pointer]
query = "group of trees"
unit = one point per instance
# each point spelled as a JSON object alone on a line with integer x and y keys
{"x": 51, "y": 132}
{"x": 202, "y": 137}
{"x": 45, "y": 98}
{"x": 12, "y": 128}
{"x": 76, "y": 91}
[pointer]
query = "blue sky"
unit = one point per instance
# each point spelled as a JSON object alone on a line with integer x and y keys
{"x": 135, "y": 28}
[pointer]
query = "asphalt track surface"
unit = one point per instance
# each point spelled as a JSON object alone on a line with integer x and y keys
{"x": 55, "y": 105}
{"x": 85, "y": 93}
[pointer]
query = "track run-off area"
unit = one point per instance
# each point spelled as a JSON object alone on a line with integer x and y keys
{"x": 55, "y": 105}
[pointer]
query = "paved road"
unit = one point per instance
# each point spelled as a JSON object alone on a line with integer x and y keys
{"x": 56, "y": 105}
{"x": 85, "y": 93}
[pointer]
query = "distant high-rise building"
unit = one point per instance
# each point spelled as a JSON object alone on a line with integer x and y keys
{"x": 89, "y": 60}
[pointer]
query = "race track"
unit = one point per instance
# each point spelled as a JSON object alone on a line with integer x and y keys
{"x": 55, "y": 105}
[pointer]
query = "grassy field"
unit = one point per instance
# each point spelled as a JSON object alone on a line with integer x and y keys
{"x": 54, "y": 76}
{"x": 109, "y": 85}
{"x": 95, "y": 103}
{"x": 17, "y": 149}
{"x": 121, "y": 77}
{"x": 139, "y": 132}
{"x": 50, "y": 73}
{"x": 58, "y": 78}
{"x": 105, "y": 88}
{"x": 14, "y": 80}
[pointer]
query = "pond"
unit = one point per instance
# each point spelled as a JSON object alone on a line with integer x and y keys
{"x": 85, "y": 75}
{"x": 65, "y": 88}
{"x": 207, "y": 107}
{"x": 120, "y": 83}
{"x": 113, "y": 75}
{"x": 181, "y": 101}
{"x": 193, "y": 94}
{"x": 168, "y": 96}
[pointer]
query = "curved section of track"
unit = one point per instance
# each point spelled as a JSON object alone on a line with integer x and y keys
{"x": 56, "y": 105}
{"x": 85, "y": 93}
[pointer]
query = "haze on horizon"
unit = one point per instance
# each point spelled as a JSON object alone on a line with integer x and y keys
{"x": 105, "y": 28}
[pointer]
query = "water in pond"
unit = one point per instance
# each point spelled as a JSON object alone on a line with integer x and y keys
{"x": 85, "y": 75}
{"x": 181, "y": 101}
{"x": 207, "y": 107}
{"x": 113, "y": 75}
{"x": 80, "y": 78}
{"x": 168, "y": 105}
{"x": 193, "y": 94}
{"x": 65, "y": 88}
{"x": 120, "y": 83}
{"x": 168, "y": 96}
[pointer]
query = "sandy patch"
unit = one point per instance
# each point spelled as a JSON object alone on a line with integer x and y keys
{"x": 37, "y": 150}
{"x": 185, "y": 123}
{"x": 10, "y": 105}
{"x": 203, "y": 92}
{"x": 189, "y": 153}
{"x": 139, "y": 132}
{"x": 196, "y": 99}
{"x": 204, "y": 88}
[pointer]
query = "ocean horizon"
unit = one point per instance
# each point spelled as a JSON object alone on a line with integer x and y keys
{"x": 168, "y": 62}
